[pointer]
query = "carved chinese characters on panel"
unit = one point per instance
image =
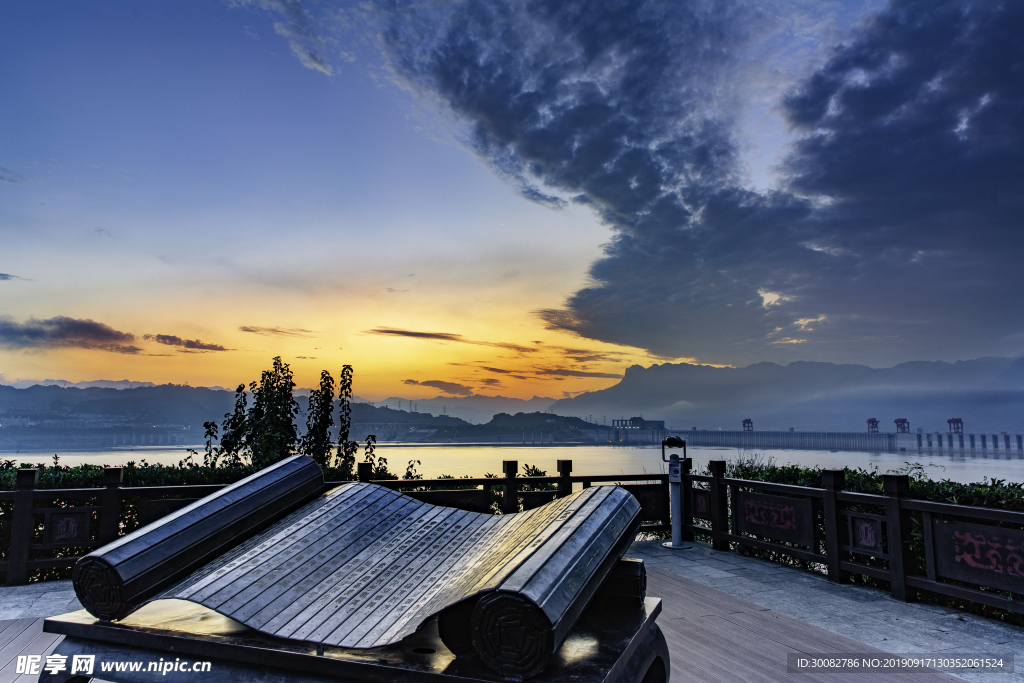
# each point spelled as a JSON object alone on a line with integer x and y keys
{"x": 979, "y": 554}
{"x": 775, "y": 517}
{"x": 702, "y": 504}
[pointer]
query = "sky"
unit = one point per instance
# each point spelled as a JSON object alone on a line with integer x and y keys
{"x": 495, "y": 197}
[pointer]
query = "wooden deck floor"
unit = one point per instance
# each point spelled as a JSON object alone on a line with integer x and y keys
{"x": 22, "y": 637}
{"x": 712, "y": 637}
{"x": 717, "y": 638}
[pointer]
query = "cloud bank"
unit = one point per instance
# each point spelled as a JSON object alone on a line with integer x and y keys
{"x": 185, "y": 345}
{"x": 896, "y": 227}
{"x": 64, "y": 332}
{"x": 277, "y": 331}
{"x": 452, "y": 388}
{"x": 448, "y": 337}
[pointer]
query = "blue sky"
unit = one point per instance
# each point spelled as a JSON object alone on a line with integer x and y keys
{"x": 427, "y": 191}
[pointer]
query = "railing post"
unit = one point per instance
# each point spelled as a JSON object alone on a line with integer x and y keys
{"x": 687, "y": 499}
{"x": 897, "y": 524}
{"x": 364, "y": 470}
{"x": 510, "y": 493}
{"x": 110, "y": 504}
{"x": 719, "y": 506}
{"x": 22, "y": 527}
{"x": 833, "y": 481}
{"x": 564, "y": 471}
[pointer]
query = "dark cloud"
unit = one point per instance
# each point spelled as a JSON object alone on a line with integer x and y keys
{"x": 900, "y": 231}
{"x": 897, "y": 226}
{"x": 187, "y": 345}
{"x": 447, "y": 387}
{"x": 9, "y": 176}
{"x": 8, "y": 276}
{"x": 563, "y": 372}
{"x": 490, "y": 381}
{"x": 498, "y": 370}
{"x": 590, "y": 356}
{"x": 63, "y": 332}
{"x": 278, "y": 331}
{"x": 544, "y": 373}
{"x": 447, "y": 337}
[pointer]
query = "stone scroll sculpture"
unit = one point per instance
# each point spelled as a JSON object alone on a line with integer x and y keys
{"x": 363, "y": 566}
{"x": 117, "y": 579}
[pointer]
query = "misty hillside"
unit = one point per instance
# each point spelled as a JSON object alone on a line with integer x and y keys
{"x": 988, "y": 393}
{"x": 167, "y": 404}
{"x": 476, "y": 408}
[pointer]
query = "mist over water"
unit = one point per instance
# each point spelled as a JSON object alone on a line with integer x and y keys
{"x": 476, "y": 461}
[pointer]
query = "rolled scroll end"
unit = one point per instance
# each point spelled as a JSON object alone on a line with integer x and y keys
{"x": 627, "y": 581}
{"x": 512, "y": 635}
{"x": 100, "y": 590}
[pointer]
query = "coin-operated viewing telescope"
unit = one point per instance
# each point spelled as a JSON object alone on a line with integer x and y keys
{"x": 676, "y": 467}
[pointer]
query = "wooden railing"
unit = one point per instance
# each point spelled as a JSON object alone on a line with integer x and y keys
{"x": 68, "y": 523}
{"x": 967, "y": 552}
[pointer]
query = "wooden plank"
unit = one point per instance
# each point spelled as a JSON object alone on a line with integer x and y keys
{"x": 685, "y": 606}
{"x": 681, "y": 603}
{"x": 4, "y": 627}
{"x": 715, "y": 637}
{"x": 737, "y": 640}
{"x": 731, "y": 656}
{"x": 697, "y": 593}
{"x": 40, "y": 644}
{"x": 715, "y": 656}
{"x": 20, "y": 636}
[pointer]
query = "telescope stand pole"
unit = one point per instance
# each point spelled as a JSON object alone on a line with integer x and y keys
{"x": 675, "y": 478}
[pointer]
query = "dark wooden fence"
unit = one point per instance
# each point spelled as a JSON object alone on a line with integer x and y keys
{"x": 971, "y": 553}
{"x": 51, "y": 528}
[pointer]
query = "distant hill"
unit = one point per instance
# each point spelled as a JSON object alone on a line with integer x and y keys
{"x": 100, "y": 383}
{"x": 166, "y": 404}
{"x": 988, "y": 393}
{"x": 476, "y": 409}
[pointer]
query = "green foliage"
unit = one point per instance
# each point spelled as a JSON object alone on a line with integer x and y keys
{"x": 316, "y": 443}
{"x": 271, "y": 434}
{"x": 265, "y": 432}
{"x": 379, "y": 464}
{"x": 346, "y": 458}
{"x": 412, "y": 473}
{"x": 234, "y": 431}
{"x": 534, "y": 471}
{"x": 262, "y": 434}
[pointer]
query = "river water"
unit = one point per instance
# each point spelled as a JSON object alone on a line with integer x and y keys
{"x": 588, "y": 459}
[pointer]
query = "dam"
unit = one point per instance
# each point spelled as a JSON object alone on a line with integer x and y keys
{"x": 934, "y": 442}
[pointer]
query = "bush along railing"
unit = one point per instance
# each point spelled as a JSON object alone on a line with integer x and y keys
{"x": 969, "y": 553}
{"x": 44, "y": 531}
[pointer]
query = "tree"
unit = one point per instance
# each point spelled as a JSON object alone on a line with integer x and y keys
{"x": 316, "y": 443}
{"x": 262, "y": 434}
{"x": 234, "y": 430}
{"x": 346, "y": 448}
{"x": 265, "y": 432}
{"x": 271, "y": 433}
{"x": 379, "y": 464}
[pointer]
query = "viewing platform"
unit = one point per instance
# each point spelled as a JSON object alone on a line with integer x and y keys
{"x": 727, "y": 618}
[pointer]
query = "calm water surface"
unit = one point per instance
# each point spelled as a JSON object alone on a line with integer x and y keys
{"x": 478, "y": 460}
